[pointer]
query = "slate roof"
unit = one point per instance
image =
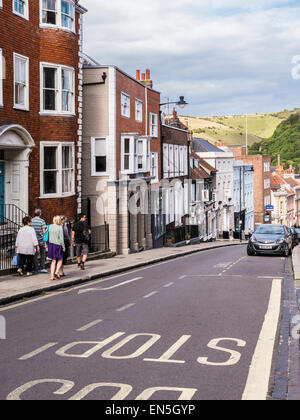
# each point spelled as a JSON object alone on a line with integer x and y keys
{"x": 204, "y": 146}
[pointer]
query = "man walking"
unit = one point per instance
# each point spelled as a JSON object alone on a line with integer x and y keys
{"x": 40, "y": 227}
{"x": 80, "y": 239}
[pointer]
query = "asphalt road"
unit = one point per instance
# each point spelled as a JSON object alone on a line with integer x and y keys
{"x": 188, "y": 328}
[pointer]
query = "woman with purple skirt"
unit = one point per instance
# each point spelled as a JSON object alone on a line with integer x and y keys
{"x": 56, "y": 247}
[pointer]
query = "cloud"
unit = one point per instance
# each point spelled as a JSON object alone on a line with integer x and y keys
{"x": 222, "y": 52}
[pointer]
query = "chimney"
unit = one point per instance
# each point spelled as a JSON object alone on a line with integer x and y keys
{"x": 138, "y": 75}
{"x": 278, "y": 160}
{"x": 146, "y": 79}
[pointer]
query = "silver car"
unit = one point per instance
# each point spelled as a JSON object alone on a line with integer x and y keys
{"x": 271, "y": 239}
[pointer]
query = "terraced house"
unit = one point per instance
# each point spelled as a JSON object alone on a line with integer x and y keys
{"x": 40, "y": 107}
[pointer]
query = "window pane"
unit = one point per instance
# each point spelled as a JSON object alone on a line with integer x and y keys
{"x": 100, "y": 147}
{"x": 50, "y": 182}
{"x": 100, "y": 163}
{"x": 67, "y": 181}
{"x": 49, "y": 78}
{"x": 126, "y": 162}
{"x": 127, "y": 146}
{"x": 49, "y": 100}
{"x": 50, "y": 159}
{"x": 49, "y": 4}
{"x": 67, "y": 76}
{"x": 67, "y": 157}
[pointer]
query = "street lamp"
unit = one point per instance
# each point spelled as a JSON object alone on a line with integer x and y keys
{"x": 181, "y": 103}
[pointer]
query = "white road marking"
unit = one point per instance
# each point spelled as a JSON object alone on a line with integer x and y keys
{"x": 168, "y": 285}
{"x": 37, "y": 351}
{"x": 150, "y": 294}
{"x": 260, "y": 368}
{"x": 126, "y": 307}
{"x": 182, "y": 277}
{"x": 90, "y": 325}
{"x": 111, "y": 287}
{"x": 269, "y": 277}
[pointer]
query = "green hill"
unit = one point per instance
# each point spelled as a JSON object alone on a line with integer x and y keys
{"x": 284, "y": 141}
{"x": 232, "y": 129}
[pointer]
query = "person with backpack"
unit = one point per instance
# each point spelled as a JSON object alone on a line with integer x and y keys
{"x": 80, "y": 239}
{"x": 40, "y": 227}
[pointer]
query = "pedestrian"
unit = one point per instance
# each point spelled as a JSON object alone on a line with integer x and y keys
{"x": 40, "y": 227}
{"x": 67, "y": 241}
{"x": 56, "y": 247}
{"x": 26, "y": 246}
{"x": 80, "y": 239}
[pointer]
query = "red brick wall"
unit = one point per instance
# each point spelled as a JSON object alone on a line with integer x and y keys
{"x": 39, "y": 45}
{"x": 129, "y": 125}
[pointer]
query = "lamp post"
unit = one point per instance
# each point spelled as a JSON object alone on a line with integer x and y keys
{"x": 181, "y": 103}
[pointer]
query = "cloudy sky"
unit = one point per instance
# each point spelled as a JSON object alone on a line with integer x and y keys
{"x": 225, "y": 56}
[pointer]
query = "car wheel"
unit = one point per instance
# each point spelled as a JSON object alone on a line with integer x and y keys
{"x": 250, "y": 253}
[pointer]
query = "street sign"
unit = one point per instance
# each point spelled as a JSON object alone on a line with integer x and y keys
{"x": 269, "y": 208}
{"x": 267, "y": 218}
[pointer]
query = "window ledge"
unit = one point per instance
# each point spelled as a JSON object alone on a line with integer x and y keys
{"x": 20, "y": 108}
{"x": 20, "y": 15}
{"x": 57, "y": 27}
{"x": 50, "y": 196}
{"x": 55, "y": 114}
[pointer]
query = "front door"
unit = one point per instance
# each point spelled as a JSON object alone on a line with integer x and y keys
{"x": 2, "y": 188}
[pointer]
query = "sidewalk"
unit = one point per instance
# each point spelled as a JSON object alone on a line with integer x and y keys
{"x": 13, "y": 287}
{"x": 296, "y": 262}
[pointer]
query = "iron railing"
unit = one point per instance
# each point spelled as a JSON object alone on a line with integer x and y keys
{"x": 100, "y": 238}
{"x": 8, "y": 235}
{"x": 12, "y": 213}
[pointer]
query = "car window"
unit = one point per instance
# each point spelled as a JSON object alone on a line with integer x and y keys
{"x": 270, "y": 230}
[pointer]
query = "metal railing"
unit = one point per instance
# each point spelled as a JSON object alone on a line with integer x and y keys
{"x": 100, "y": 238}
{"x": 8, "y": 235}
{"x": 12, "y": 213}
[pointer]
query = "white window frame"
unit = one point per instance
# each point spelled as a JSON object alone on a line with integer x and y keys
{"x": 93, "y": 156}
{"x": 176, "y": 160}
{"x": 58, "y": 12}
{"x": 138, "y": 110}
{"x": 171, "y": 161}
{"x": 59, "y": 179}
{"x": 58, "y": 88}
{"x": 166, "y": 160}
{"x": 125, "y": 107}
{"x": 1, "y": 4}
{"x": 153, "y": 126}
{"x": 24, "y": 15}
{"x": 24, "y": 107}
{"x": 1, "y": 75}
{"x": 133, "y": 154}
{"x": 154, "y": 168}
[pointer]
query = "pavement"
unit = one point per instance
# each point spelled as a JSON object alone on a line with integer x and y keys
{"x": 14, "y": 287}
{"x": 296, "y": 262}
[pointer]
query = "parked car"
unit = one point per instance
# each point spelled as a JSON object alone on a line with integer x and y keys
{"x": 295, "y": 236}
{"x": 298, "y": 232}
{"x": 271, "y": 239}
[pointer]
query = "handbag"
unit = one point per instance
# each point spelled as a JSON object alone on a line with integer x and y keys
{"x": 46, "y": 235}
{"x": 15, "y": 260}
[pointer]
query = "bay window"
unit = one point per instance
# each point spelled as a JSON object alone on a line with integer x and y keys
{"x": 57, "y": 169}
{"x": 135, "y": 154}
{"x": 57, "y": 89}
{"x": 58, "y": 13}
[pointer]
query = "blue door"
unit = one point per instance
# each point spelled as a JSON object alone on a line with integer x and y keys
{"x": 2, "y": 189}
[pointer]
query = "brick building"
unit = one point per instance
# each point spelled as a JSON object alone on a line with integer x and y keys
{"x": 121, "y": 153}
{"x": 262, "y": 184}
{"x": 40, "y": 106}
